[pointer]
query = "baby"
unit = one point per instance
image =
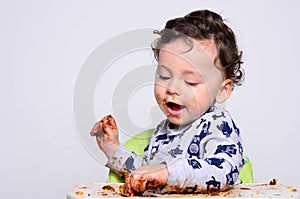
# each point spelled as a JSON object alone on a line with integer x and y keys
{"x": 197, "y": 148}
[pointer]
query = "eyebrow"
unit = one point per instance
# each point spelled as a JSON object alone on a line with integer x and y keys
{"x": 186, "y": 72}
{"x": 164, "y": 66}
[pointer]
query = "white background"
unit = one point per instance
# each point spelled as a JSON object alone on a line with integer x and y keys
{"x": 43, "y": 45}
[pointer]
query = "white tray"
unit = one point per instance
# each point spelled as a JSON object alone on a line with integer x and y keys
{"x": 256, "y": 190}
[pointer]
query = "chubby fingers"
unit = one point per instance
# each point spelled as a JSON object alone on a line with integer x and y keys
{"x": 135, "y": 183}
{"x": 106, "y": 125}
{"x": 128, "y": 188}
{"x": 97, "y": 129}
{"x": 109, "y": 126}
{"x": 138, "y": 182}
{"x": 109, "y": 121}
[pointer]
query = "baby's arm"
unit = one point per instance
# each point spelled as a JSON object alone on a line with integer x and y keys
{"x": 107, "y": 135}
{"x": 123, "y": 162}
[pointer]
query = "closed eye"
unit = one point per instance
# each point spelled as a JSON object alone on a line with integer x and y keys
{"x": 191, "y": 83}
{"x": 163, "y": 77}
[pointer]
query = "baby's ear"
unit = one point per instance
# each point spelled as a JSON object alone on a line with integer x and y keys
{"x": 225, "y": 91}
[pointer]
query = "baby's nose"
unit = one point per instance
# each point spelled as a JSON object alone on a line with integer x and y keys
{"x": 174, "y": 88}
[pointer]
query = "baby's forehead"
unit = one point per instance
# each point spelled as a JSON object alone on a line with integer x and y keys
{"x": 184, "y": 70}
{"x": 199, "y": 55}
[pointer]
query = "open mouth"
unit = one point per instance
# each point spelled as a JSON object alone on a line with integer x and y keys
{"x": 173, "y": 108}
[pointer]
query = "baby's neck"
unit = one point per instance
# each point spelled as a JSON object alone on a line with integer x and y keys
{"x": 176, "y": 126}
{"x": 173, "y": 126}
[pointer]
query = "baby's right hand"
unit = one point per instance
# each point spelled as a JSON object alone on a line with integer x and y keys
{"x": 107, "y": 135}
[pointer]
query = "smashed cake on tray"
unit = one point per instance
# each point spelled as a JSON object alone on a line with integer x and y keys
{"x": 252, "y": 190}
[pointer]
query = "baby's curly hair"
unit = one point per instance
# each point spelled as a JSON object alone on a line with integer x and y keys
{"x": 205, "y": 25}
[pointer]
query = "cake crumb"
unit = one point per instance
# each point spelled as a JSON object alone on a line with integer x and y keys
{"x": 294, "y": 190}
{"x": 274, "y": 181}
{"x": 79, "y": 193}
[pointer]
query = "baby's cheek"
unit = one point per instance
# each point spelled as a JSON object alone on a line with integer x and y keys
{"x": 197, "y": 106}
{"x": 158, "y": 92}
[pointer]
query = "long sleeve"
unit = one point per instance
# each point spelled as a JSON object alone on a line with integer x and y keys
{"x": 124, "y": 161}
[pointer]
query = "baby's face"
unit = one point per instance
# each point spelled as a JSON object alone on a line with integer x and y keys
{"x": 186, "y": 84}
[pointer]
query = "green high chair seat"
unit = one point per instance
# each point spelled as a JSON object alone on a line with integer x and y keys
{"x": 138, "y": 143}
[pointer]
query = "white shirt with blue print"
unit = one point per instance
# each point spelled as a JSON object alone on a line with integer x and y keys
{"x": 205, "y": 154}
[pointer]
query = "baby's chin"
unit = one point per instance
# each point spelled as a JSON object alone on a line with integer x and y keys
{"x": 176, "y": 123}
{"x": 182, "y": 121}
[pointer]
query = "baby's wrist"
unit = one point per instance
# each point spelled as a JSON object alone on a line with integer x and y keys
{"x": 111, "y": 150}
{"x": 116, "y": 161}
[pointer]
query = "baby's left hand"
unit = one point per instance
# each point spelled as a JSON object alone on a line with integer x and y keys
{"x": 107, "y": 135}
{"x": 146, "y": 177}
